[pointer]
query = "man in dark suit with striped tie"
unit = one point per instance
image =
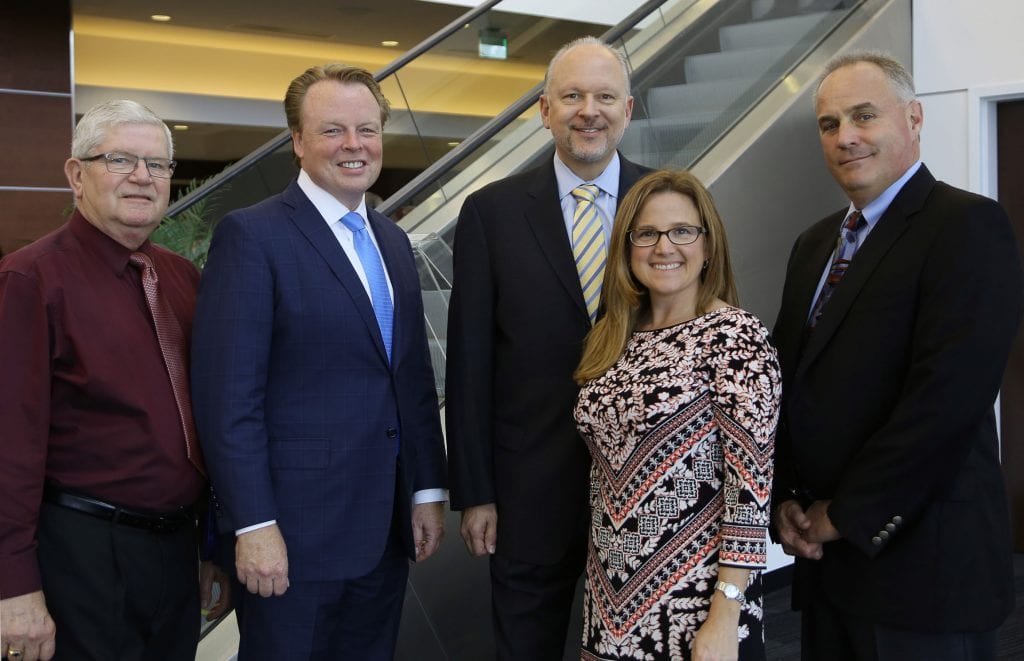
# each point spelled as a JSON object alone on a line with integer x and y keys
{"x": 888, "y": 487}
{"x": 529, "y": 261}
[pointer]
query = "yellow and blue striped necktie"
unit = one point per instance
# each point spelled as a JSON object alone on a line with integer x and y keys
{"x": 588, "y": 246}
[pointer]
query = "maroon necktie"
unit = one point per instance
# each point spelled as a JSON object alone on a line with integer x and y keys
{"x": 172, "y": 346}
{"x": 846, "y": 245}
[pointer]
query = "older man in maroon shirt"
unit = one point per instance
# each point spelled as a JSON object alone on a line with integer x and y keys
{"x": 100, "y": 468}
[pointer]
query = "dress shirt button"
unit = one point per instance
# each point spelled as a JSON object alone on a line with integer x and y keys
{"x": 890, "y": 527}
{"x": 897, "y": 519}
{"x": 876, "y": 540}
{"x": 883, "y": 534}
{"x": 392, "y": 432}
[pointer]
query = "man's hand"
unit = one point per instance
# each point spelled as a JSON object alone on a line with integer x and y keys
{"x": 792, "y": 524}
{"x": 261, "y": 560}
{"x": 480, "y": 528}
{"x": 209, "y": 574}
{"x": 26, "y": 626}
{"x": 427, "y": 528}
{"x": 820, "y": 529}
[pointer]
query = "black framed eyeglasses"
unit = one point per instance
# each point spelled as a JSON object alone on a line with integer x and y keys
{"x": 121, "y": 163}
{"x": 681, "y": 236}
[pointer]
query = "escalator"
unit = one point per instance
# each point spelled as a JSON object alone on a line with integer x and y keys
{"x": 722, "y": 87}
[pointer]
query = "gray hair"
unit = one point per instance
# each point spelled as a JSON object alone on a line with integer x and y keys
{"x": 587, "y": 41}
{"x": 92, "y": 129}
{"x": 900, "y": 79}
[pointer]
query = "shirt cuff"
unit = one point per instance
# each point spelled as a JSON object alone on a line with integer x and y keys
{"x": 265, "y": 524}
{"x": 430, "y": 496}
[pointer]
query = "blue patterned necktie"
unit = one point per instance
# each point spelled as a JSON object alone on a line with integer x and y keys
{"x": 846, "y": 245}
{"x": 588, "y": 246}
{"x": 374, "y": 270}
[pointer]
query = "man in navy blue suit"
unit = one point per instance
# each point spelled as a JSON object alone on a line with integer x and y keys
{"x": 314, "y": 394}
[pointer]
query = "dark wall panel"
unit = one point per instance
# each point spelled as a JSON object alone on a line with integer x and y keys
{"x": 36, "y": 117}
{"x": 36, "y": 134}
{"x": 1010, "y": 138}
{"x": 35, "y": 38}
{"x": 27, "y": 215}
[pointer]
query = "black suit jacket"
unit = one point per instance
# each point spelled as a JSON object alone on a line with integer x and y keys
{"x": 888, "y": 409}
{"x": 515, "y": 334}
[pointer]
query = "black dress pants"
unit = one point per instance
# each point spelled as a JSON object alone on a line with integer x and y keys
{"x": 531, "y": 605}
{"x": 117, "y": 592}
{"x": 830, "y": 634}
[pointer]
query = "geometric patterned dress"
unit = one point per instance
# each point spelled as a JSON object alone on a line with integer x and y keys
{"x": 681, "y": 430}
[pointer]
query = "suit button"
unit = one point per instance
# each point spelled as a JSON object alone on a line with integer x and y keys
{"x": 897, "y": 519}
{"x": 392, "y": 432}
{"x": 883, "y": 534}
{"x": 877, "y": 541}
{"x": 890, "y": 527}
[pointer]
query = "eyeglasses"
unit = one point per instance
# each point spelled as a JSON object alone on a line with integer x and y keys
{"x": 681, "y": 236}
{"x": 121, "y": 163}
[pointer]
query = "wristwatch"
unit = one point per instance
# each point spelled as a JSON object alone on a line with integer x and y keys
{"x": 731, "y": 592}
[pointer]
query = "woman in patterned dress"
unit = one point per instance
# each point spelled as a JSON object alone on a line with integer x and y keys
{"x": 679, "y": 402}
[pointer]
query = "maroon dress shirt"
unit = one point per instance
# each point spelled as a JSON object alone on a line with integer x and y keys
{"x": 85, "y": 399}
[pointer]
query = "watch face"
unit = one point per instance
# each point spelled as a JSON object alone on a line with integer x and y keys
{"x": 731, "y": 591}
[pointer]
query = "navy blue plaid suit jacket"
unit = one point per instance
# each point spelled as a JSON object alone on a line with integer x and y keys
{"x": 301, "y": 417}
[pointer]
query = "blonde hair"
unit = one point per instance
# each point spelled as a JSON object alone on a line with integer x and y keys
{"x": 341, "y": 73}
{"x": 624, "y": 299}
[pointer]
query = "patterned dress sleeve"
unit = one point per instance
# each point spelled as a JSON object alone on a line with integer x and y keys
{"x": 745, "y": 386}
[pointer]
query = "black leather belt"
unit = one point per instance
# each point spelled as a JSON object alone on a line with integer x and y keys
{"x": 158, "y": 523}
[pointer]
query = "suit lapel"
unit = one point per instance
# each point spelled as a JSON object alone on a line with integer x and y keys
{"x": 311, "y": 224}
{"x": 544, "y": 216}
{"x": 890, "y": 227}
{"x": 808, "y": 261}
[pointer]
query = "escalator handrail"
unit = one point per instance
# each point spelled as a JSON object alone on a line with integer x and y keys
{"x": 275, "y": 143}
{"x": 498, "y": 123}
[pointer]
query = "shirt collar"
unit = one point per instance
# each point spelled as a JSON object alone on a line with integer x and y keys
{"x": 607, "y": 181}
{"x": 329, "y": 207}
{"x": 873, "y": 211}
{"x": 94, "y": 241}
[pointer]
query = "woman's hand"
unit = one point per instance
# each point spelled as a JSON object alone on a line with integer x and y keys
{"x": 718, "y": 638}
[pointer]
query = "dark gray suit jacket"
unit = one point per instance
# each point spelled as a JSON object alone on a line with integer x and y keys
{"x": 515, "y": 334}
{"x": 888, "y": 409}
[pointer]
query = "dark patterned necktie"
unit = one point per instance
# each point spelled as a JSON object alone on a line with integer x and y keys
{"x": 846, "y": 245}
{"x": 172, "y": 346}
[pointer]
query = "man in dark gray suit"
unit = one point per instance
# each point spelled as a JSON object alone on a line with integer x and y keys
{"x": 893, "y": 336}
{"x": 522, "y": 302}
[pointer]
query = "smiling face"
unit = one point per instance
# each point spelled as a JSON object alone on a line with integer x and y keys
{"x": 586, "y": 107}
{"x": 340, "y": 142}
{"x": 670, "y": 273}
{"x": 868, "y": 135}
{"x": 125, "y": 207}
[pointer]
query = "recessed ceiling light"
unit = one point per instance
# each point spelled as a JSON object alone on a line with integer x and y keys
{"x": 181, "y": 127}
{"x": 453, "y": 144}
{"x": 389, "y": 43}
{"x": 160, "y": 18}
